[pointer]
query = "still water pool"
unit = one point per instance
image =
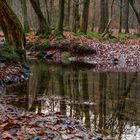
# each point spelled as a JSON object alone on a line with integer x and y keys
{"x": 105, "y": 102}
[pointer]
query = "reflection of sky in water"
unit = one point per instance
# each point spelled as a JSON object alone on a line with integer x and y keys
{"x": 131, "y": 133}
{"x": 106, "y": 102}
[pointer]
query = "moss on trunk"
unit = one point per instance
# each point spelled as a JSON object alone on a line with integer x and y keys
{"x": 11, "y": 27}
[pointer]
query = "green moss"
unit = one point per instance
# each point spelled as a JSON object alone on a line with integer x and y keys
{"x": 79, "y": 33}
{"x": 46, "y": 44}
{"x": 94, "y": 34}
{"x": 6, "y": 44}
{"x": 9, "y": 55}
{"x": 88, "y": 34}
{"x": 26, "y": 31}
{"x": 137, "y": 35}
{"x": 58, "y": 34}
{"x": 43, "y": 35}
{"x": 60, "y": 37}
{"x": 121, "y": 36}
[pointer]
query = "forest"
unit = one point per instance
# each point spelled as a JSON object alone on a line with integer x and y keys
{"x": 78, "y": 15}
{"x": 69, "y": 69}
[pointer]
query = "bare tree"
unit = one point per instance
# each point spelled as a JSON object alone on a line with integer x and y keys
{"x": 25, "y": 16}
{"x": 103, "y": 15}
{"x": 106, "y": 30}
{"x": 121, "y": 7}
{"x": 94, "y": 15}
{"x": 59, "y": 29}
{"x": 135, "y": 10}
{"x": 84, "y": 23}
{"x": 43, "y": 25}
{"x": 12, "y": 28}
{"x": 76, "y": 16}
{"x": 126, "y": 16}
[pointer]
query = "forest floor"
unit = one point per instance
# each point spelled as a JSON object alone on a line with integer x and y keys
{"x": 107, "y": 55}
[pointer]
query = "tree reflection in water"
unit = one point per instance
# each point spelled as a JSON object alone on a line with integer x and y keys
{"x": 74, "y": 93}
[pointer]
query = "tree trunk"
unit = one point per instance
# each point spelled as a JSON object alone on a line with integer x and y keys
{"x": 76, "y": 16}
{"x": 47, "y": 12}
{"x": 120, "y": 25}
{"x": 139, "y": 14}
{"x": 51, "y": 12}
{"x": 43, "y": 25}
{"x": 135, "y": 11}
{"x": 11, "y": 27}
{"x": 68, "y": 14}
{"x": 126, "y": 16}
{"x": 106, "y": 30}
{"x": 104, "y": 15}
{"x": 25, "y": 16}
{"x": 84, "y": 24}
{"x": 59, "y": 29}
{"x": 94, "y": 15}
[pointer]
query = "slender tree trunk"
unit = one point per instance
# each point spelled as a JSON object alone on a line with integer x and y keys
{"x": 51, "y": 11}
{"x": 139, "y": 14}
{"x": 62, "y": 91}
{"x": 120, "y": 25}
{"x": 104, "y": 15}
{"x": 110, "y": 19}
{"x": 76, "y": 16}
{"x": 59, "y": 30}
{"x": 107, "y": 10}
{"x": 68, "y": 14}
{"x": 94, "y": 15}
{"x": 25, "y": 16}
{"x": 84, "y": 24}
{"x": 43, "y": 25}
{"x": 47, "y": 12}
{"x": 126, "y": 16}
{"x": 86, "y": 98}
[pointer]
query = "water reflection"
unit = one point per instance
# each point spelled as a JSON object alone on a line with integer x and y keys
{"x": 106, "y": 102}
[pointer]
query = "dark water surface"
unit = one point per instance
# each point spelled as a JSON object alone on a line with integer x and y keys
{"x": 106, "y": 102}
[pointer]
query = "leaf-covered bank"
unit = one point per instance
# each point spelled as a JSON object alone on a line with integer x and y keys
{"x": 108, "y": 55}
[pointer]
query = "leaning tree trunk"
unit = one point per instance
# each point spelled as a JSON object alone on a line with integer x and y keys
{"x": 43, "y": 25}
{"x": 135, "y": 11}
{"x": 11, "y": 27}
